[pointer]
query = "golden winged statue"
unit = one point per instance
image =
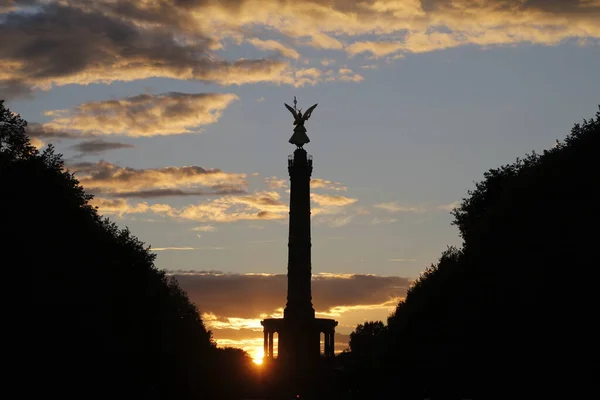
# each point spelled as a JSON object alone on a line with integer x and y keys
{"x": 300, "y": 138}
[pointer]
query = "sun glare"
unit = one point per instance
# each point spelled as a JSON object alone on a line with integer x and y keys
{"x": 257, "y": 361}
{"x": 258, "y": 357}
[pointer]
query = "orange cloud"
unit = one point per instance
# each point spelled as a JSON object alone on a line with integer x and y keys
{"x": 394, "y": 207}
{"x": 273, "y": 45}
{"x": 416, "y": 25}
{"x": 143, "y": 115}
{"x": 253, "y": 296}
{"x": 319, "y": 183}
{"x": 332, "y": 200}
{"x": 233, "y": 305}
{"x": 121, "y": 207}
{"x": 107, "y": 178}
{"x": 175, "y": 39}
{"x": 256, "y": 206}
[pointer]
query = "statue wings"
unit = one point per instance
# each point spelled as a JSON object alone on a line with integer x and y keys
{"x": 308, "y": 112}
{"x": 294, "y": 113}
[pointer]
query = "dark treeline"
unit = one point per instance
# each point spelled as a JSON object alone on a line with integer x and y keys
{"x": 94, "y": 318}
{"x": 513, "y": 311}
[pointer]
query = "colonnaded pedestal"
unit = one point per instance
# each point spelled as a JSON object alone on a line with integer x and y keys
{"x": 299, "y": 332}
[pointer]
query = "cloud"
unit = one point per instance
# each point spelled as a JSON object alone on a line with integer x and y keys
{"x": 275, "y": 183}
{"x": 449, "y": 207}
{"x": 394, "y": 207}
{"x": 413, "y": 25}
{"x": 37, "y": 143}
{"x": 232, "y": 305}
{"x": 204, "y": 228}
{"x": 98, "y": 146}
{"x": 142, "y": 115}
{"x": 42, "y": 132}
{"x": 379, "y": 221}
{"x": 377, "y": 49}
{"x": 110, "y": 179}
{"x": 249, "y": 296}
{"x": 121, "y": 207}
{"x": 147, "y": 194}
{"x": 332, "y": 200}
{"x": 58, "y": 45}
{"x": 255, "y": 206}
{"x": 259, "y": 206}
{"x": 274, "y": 46}
{"x": 341, "y": 220}
{"x": 318, "y": 183}
{"x": 104, "y": 41}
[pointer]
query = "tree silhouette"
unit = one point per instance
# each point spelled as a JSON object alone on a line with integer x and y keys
{"x": 93, "y": 316}
{"x": 510, "y": 312}
{"x": 362, "y": 369}
{"x": 365, "y": 338}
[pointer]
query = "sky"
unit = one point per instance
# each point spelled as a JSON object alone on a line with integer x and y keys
{"x": 171, "y": 112}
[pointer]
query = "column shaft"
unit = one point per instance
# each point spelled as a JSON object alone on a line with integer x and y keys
{"x": 270, "y": 344}
{"x": 332, "y": 344}
{"x": 266, "y": 344}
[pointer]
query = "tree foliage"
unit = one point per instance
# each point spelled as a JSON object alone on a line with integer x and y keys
{"x": 517, "y": 294}
{"x": 104, "y": 320}
{"x": 365, "y": 338}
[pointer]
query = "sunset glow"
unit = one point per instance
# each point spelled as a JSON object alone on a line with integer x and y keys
{"x": 258, "y": 357}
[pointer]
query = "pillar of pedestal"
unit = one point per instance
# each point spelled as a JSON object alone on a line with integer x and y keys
{"x": 265, "y": 344}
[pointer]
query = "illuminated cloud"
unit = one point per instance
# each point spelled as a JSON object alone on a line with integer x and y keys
{"x": 42, "y": 132}
{"x": 260, "y": 206}
{"x": 233, "y": 305}
{"x": 394, "y": 207}
{"x": 58, "y": 45}
{"x": 347, "y": 75}
{"x": 142, "y": 115}
{"x": 255, "y": 206}
{"x": 110, "y": 179}
{"x": 37, "y": 143}
{"x": 254, "y": 296}
{"x": 415, "y": 25}
{"x": 449, "y": 207}
{"x": 332, "y": 200}
{"x": 380, "y": 221}
{"x": 272, "y": 45}
{"x": 106, "y": 40}
{"x": 377, "y": 49}
{"x": 121, "y": 207}
{"x": 233, "y": 204}
{"x": 318, "y": 183}
{"x": 204, "y": 228}
{"x": 275, "y": 183}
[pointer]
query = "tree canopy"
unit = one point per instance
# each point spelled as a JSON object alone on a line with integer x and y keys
{"x": 517, "y": 293}
{"x": 94, "y": 316}
{"x": 510, "y": 311}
